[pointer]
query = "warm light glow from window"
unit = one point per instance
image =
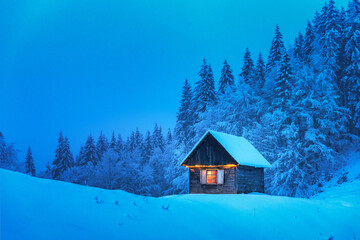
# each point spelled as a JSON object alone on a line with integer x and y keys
{"x": 211, "y": 176}
{"x": 203, "y": 166}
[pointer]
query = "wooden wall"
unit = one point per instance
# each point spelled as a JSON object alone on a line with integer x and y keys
{"x": 209, "y": 152}
{"x": 250, "y": 179}
{"x": 229, "y": 185}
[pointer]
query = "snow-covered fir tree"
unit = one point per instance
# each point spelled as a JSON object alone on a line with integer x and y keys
{"x": 119, "y": 144}
{"x": 308, "y": 42}
{"x": 8, "y": 155}
{"x": 283, "y": 84}
{"x": 169, "y": 137}
{"x": 158, "y": 139}
{"x": 29, "y": 163}
{"x": 148, "y": 147}
{"x": 101, "y": 145}
{"x": 185, "y": 117}
{"x": 90, "y": 154}
{"x": 351, "y": 79}
{"x": 226, "y": 78}
{"x": 113, "y": 141}
{"x": 299, "y": 47}
{"x": 247, "y": 71}
{"x": 260, "y": 72}
{"x": 63, "y": 157}
{"x": 204, "y": 92}
{"x": 277, "y": 50}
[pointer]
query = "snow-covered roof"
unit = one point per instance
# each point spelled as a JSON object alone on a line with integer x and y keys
{"x": 243, "y": 152}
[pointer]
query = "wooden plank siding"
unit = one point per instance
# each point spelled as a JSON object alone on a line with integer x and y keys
{"x": 250, "y": 179}
{"x": 229, "y": 185}
{"x": 209, "y": 152}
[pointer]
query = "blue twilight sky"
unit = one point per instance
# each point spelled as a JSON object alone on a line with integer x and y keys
{"x": 84, "y": 66}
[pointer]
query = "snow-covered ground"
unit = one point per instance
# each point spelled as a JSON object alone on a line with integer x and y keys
{"x": 345, "y": 184}
{"x": 34, "y": 208}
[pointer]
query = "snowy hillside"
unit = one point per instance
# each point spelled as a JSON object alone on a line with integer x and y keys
{"x": 345, "y": 184}
{"x": 33, "y": 208}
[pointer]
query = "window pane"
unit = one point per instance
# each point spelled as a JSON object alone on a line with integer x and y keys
{"x": 211, "y": 176}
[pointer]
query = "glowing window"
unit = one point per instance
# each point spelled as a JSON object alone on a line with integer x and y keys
{"x": 211, "y": 176}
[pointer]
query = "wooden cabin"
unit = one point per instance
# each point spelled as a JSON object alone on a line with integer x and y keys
{"x": 224, "y": 163}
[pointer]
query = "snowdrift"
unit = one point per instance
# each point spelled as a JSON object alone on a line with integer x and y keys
{"x": 34, "y": 208}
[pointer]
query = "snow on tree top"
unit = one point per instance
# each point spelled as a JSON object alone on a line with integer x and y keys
{"x": 243, "y": 152}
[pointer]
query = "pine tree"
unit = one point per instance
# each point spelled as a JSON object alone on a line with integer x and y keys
{"x": 113, "y": 141}
{"x": 63, "y": 157}
{"x": 68, "y": 158}
{"x": 119, "y": 144}
{"x": 226, "y": 78}
{"x": 276, "y": 51}
{"x": 8, "y": 155}
{"x": 90, "y": 154}
{"x": 205, "y": 89}
{"x": 138, "y": 137}
{"x": 283, "y": 83}
{"x": 308, "y": 42}
{"x": 247, "y": 71}
{"x": 184, "y": 118}
{"x": 132, "y": 143}
{"x": 101, "y": 145}
{"x": 158, "y": 138}
{"x": 299, "y": 47}
{"x": 169, "y": 137}
{"x": 352, "y": 56}
{"x": 260, "y": 72}
{"x": 80, "y": 156}
{"x": 148, "y": 147}
{"x": 329, "y": 38}
{"x": 29, "y": 163}
{"x": 56, "y": 171}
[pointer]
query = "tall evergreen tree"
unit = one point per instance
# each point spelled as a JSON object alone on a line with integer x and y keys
{"x": 169, "y": 137}
{"x": 226, "y": 78}
{"x": 276, "y": 51}
{"x": 90, "y": 154}
{"x": 56, "y": 171}
{"x": 80, "y": 156}
{"x": 101, "y": 145}
{"x": 184, "y": 118}
{"x": 138, "y": 137}
{"x": 308, "y": 42}
{"x": 8, "y": 155}
{"x": 299, "y": 47}
{"x": 283, "y": 83}
{"x": 260, "y": 71}
{"x": 352, "y": 56}
{"x": 148, "y": 147}
{"x": 29, "y": 163}
{"x": 68, "y": 158}
{"x": 247, "y": 71}
{"x": 329, "y": 40}
{"x": 119, "y": 144}
{"x": 63, "y": 157}
{"x": 113, "y": 141}
{"x": 205, "y": 89}
{"x": 158, "y": 138}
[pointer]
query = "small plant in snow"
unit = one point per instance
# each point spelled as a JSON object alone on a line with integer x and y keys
{"x": 343, "y": 178}
{"x": 98, "y": 200}
{"x": 165, "y": 207}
